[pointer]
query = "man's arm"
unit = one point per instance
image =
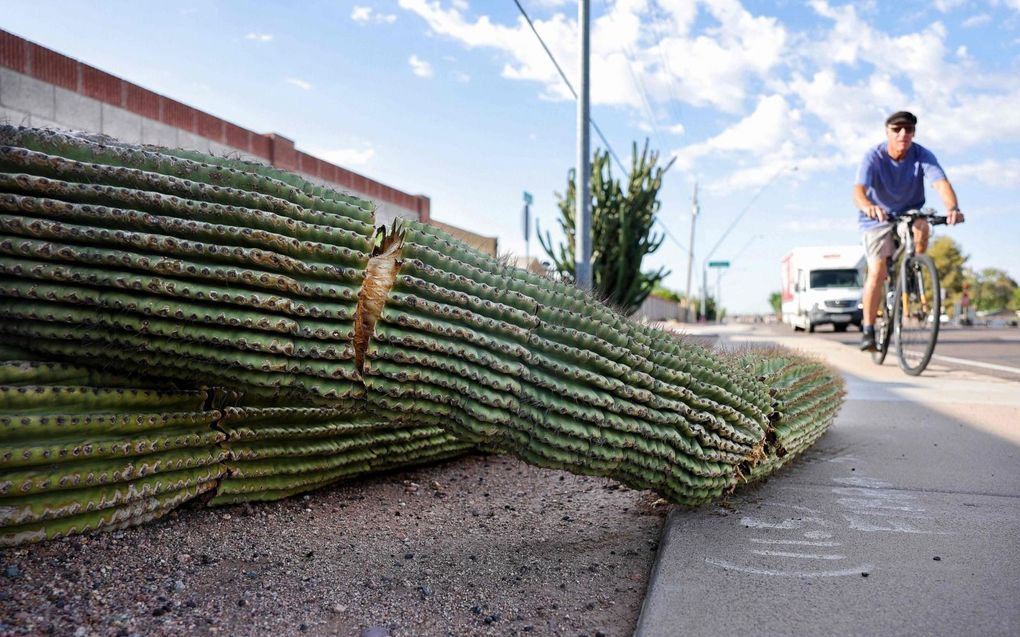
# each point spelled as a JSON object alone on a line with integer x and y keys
{"x": 866, "y": 206}
{"x": 945, "y": 190}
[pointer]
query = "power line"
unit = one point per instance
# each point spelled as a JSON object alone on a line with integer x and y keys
{"x": 674, "y": 104}
{"x": 567, "y": 82}
{"x": 605, "y": 141}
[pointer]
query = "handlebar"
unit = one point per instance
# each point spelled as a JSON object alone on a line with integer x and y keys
{"x": 925, "y": 213}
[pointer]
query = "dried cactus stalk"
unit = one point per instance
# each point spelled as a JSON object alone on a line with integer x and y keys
{"x": 342, "y": 353}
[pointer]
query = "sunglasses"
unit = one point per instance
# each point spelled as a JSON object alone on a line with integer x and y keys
{"x": 898, "y": 127}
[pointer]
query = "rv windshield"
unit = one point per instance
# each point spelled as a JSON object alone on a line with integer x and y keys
{"x": 850, "y": 278}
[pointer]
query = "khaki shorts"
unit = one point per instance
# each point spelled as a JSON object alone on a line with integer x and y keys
{"x": 880, "y": 242}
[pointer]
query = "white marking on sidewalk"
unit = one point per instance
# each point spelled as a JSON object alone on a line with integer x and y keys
{"x": 807, "y": 556}
{"x": 964, "y": 361}
{"x": 864, "y": 568}
{"x": 789, "y": 523}
{"x": 757, "y": 540}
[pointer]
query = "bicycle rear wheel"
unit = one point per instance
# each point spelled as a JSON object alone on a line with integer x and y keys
{"x": 918, "y": 310}
{"x": 883, "y": 326}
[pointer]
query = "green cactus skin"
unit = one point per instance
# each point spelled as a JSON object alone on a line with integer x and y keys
{"x": 302, "y": 348}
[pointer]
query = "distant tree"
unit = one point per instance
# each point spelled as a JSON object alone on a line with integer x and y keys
{"x": 1015, "y": 303}
{"x": 949, "y": 261}
{"x": 776, "y": 301}
{"x": 696, "y": 309}
{"x": 667, "y": 293}
{"x": 993, "y": 289}
{"x": 621, "y": 229}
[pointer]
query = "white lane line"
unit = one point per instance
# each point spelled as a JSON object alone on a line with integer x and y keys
{"x": 807, "y": 556}
{"x": 964, "y": 361}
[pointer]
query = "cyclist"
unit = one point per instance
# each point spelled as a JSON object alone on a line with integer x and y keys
{"x": 890, "y": 180}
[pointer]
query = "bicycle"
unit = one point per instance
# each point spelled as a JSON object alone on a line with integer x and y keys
{"x": 911, "y": 307}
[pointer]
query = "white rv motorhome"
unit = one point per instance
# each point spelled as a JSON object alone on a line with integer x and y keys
{"x": 822, "y": 286}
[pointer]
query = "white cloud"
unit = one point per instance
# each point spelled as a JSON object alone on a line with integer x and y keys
{"x": 781, "y": 94}
{"x": 715, "y": 68}
{"x": 420, "y": 67}
{"x": 978, "y": 20}
{"x": 945, "y": 6}
{"x": 301, "y": 84}
{"x": 841, "y": 225}
{"x": 346, "y": 157}
{"x": 991, "y": 172}
{"x": 771, "y": 129}
{"x": 259, "y": 37}
{"x": 461, "y": 77}
{"x": 365, "y": 15}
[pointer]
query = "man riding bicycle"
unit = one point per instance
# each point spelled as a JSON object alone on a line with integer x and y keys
{"x": 890, "y": 181}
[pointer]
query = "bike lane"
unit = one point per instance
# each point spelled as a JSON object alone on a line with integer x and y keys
{"x": 903, "y": 519}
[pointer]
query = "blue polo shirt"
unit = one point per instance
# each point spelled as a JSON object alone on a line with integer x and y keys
{"x": 897, "y": 186}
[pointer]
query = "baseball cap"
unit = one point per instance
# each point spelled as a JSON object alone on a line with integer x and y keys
{"x": 901, "y": 117}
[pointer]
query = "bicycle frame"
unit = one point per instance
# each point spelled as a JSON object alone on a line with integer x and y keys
{"x": 908, "y": 295}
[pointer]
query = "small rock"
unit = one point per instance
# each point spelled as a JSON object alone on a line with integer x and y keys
{"x": 11, "y": 571}
{"x": 339, "y": 608}
{"x": 426, "y": 591}
{"x": 242, "y": 602}
{"x": 183, "y": 558}
{"x": 864, "y": 574}
{"x": 375, "y": 631}
{"x": 178, "y": 586}
{"x": 408, "y": 556}
{"x": 226, "y": 516}
{"x": 937, "y": 558}
{"x": 477, "y": 610}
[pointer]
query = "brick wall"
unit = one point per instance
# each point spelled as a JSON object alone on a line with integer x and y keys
{"x": 40, "y": 87}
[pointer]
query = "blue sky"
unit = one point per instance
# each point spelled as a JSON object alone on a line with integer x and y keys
{"x": 767, "y": 105}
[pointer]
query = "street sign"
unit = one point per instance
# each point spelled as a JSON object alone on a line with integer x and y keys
{"x": 718, "y": 264}
{"x": 527, "y": 198}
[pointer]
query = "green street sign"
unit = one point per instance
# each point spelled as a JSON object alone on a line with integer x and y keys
{"x": 527, "y": 198}
{"x": 718, "y": 264}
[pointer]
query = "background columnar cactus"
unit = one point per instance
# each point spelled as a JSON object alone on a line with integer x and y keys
{"x": 175, "y": 324}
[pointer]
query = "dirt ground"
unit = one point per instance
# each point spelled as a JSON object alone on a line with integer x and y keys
{"x": 482, "y": 545}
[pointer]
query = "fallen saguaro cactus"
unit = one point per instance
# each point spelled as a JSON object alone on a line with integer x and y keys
{"x": 176, "y": 324}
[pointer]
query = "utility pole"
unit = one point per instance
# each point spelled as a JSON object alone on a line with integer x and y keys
{"x": 582, "y": 237}
{"x": 526, "y": 214}
{"x": 690, "y": 254}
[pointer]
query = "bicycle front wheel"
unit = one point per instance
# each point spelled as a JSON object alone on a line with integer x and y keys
{"x": 917, "y": 314}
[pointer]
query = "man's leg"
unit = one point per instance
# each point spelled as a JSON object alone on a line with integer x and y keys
{"x": 872, "y": 297}
{"x": 921, "y": 232}
{"x": 878, "y": 246}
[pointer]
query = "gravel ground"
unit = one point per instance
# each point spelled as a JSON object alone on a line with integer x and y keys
{"x": 483, "y": 545}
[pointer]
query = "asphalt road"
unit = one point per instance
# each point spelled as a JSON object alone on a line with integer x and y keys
{"x": 982, "y": 350}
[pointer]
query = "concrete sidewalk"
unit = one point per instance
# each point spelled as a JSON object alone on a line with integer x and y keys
{"x": 904, "y": 519}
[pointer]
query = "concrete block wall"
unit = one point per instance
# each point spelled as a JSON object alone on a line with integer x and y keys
{"x": 42, "y": 88}
{"x": 655, "y": 308}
